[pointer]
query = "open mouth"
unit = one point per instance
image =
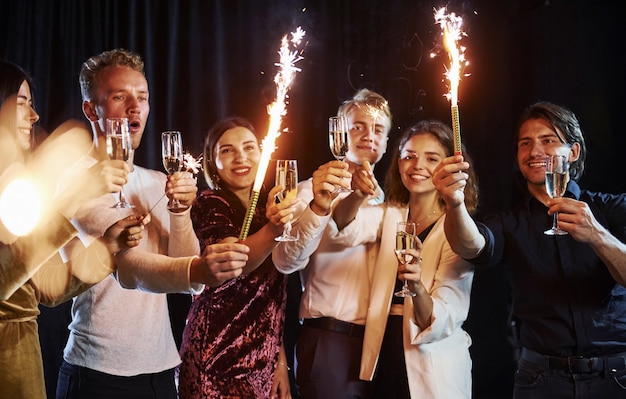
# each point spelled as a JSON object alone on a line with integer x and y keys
{"x": 135, "y": 126}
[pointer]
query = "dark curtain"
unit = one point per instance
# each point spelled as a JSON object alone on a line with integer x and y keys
{"x": 207, "y": 59}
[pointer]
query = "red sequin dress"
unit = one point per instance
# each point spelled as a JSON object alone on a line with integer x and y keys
{"x": 233, "y": 333}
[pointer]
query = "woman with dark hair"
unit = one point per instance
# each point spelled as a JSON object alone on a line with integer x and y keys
{"x": 413, "y": 347}
{"x": 232, "y": 341}
{"x": 17, "y": 114}
{"x": 31, "y": 267}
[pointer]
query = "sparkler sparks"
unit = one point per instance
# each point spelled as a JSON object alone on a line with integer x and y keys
{"x": 452, "y": 34}
{"x": 276, "y": 111}
{"x": 190, "y": 164}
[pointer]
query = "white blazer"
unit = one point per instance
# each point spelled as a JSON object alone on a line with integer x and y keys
{"x": 437, "y": 358}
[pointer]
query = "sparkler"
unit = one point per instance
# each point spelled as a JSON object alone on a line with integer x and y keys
{"x": 190, "y": 164}
{"x": 276, "y": 111}
{"x": 452, "y": 33}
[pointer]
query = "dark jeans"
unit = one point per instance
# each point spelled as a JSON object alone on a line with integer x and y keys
{"x": 533, "y": 381}
{"x": 82, "y": 383}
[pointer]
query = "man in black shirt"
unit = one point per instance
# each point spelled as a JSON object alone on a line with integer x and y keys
{"x": 569, "y": 290}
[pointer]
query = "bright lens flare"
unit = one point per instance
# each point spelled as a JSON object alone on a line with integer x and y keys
{"x": 20, "y": 207}
{"x": 452, "y": 33}
{"x": 276, "y": 111}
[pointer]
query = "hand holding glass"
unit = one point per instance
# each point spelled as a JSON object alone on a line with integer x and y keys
{"x": 172, "y": 153}
{"x": 405, "y": 239}
{"x": 338, "y": 141}
{"x": 287, "y": 177}
{"x": 556, "y": 182}
{"x": 119, "y": 147}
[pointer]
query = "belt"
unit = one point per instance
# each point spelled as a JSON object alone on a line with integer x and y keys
{"x": 577, "y": 364}
{"x": 338, "y": 326}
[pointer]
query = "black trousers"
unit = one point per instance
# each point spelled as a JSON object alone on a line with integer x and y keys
{"x": 82, "y": 383}
{"x": 328, "y": 365}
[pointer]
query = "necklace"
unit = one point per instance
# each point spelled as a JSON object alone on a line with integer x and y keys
{"x": 418, "y": 222}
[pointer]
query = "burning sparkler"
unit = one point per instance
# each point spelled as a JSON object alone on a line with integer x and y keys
{"x": 276, "y": 111}
{"x": 452, "y": 33}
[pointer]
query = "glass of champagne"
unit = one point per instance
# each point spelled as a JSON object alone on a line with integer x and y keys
{"x": 405, "y": 239}
{"x": 119, "y": 147}
{"x": 172, "y": 154}
{"x": 556, "y": 182}
{"x": 338, "y": 141}
{"x": 287, "y": 177}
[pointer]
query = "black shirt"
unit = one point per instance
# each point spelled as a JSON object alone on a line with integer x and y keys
{"x": 563, "y": 294}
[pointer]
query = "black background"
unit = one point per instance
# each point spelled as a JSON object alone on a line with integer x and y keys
{"x": 209, "y": 59}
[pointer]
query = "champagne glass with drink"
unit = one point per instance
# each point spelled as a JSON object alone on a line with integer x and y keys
{"x": 119, "y": 147}
{"x": 338, "y": 141}
{"x": 287, "y": 177}
{"x": 405, "y": 239}
{"x": 173, "y": 157}
{"x": 556, "y": 182}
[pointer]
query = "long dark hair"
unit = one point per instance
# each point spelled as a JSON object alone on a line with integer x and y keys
{"x": 395, "y": 191}
{"x": 212, "y": 137}
{"x": 11, "y": 78}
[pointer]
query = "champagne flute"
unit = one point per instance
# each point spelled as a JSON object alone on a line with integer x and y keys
{"x": 287, "y": 177}
{"x": 119, "y": 147}
{"x": 405, "y": 239}
{"x": 338, "y": 141}
{"x": 556, "y": 183}
{"x": 172, "y": 154}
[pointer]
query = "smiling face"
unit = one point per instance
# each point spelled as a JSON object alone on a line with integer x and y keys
{"x": 26, "y": 116}
{"x": 418, "y": 159}
{"x": 122, "y": 92}
{"x": 368, "y": 134}
{"x": 236, "y": 156}
{"x": 536, "y": 140}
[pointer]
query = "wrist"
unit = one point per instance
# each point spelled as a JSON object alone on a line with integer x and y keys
{"x": 318, "y": 210}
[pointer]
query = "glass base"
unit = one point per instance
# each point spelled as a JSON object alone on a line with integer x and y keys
{"x": 555, "y": 231}
{"x": 123, "y": 205}
{"x": 176, "y": 206}
{"x": 285, "y": 238}
{"x": 404, "y": 293}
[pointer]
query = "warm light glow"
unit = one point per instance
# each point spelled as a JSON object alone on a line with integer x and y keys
{"x": 277, "y": 109}
{"x": 20, "y": 207}
{"x": 452, "y": 34}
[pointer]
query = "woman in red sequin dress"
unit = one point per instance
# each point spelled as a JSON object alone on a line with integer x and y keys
{"x": 232, "y": 343}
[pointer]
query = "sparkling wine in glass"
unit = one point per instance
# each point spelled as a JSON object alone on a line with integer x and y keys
{"x": 173, "y": 156}
{"x": 287, "y": 177}
{"x": 119, "y": 147}
{"x": 338, "y": 140}
{"x": 405, "y": 239}
{"x": 556, "y": 182}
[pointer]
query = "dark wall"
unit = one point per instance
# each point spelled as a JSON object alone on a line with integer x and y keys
{"x": 209, "y": 59}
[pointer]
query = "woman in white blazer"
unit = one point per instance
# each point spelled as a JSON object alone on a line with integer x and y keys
{"x": 414, "y": 347}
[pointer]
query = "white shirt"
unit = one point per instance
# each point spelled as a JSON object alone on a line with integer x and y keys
{"x": 336, "y": 279}
{"x": 127, "y": 332}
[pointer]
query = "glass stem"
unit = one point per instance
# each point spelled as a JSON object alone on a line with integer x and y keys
{"x": 122, "y": 197}
{"x": 555, "y": 222}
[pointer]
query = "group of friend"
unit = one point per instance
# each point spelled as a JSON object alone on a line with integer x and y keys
{"x": 358, "y": 340}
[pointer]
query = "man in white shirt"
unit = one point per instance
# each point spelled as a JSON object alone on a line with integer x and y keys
{"x": 336, "y": 279}
{"x": 121, "y": 343}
